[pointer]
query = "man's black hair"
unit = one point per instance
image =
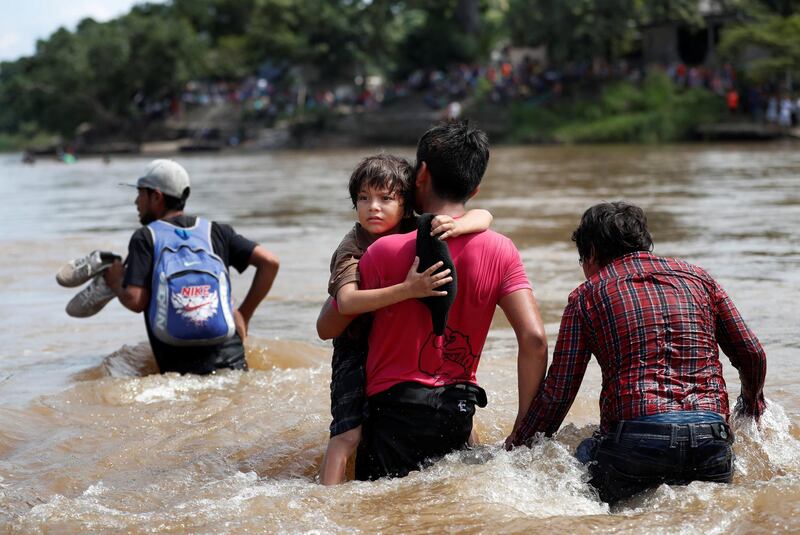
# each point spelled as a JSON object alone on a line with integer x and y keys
{"x": 456, "y": 156}
{"x": 384, "y": 171}
{"x": 612, "y": 229}
{"x": 175, "y": 204}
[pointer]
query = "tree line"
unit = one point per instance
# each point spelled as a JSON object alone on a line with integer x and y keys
{"x": 102, "y": 73}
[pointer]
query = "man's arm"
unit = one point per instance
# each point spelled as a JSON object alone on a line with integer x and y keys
{"x": 130, "y": 281}
{"x": 266, "y": 264}
{"x": 134, "y": 298}
{"x": 523, "y": 313}
{"x": 743, "y": 349}
{"x": 554, "y": 399}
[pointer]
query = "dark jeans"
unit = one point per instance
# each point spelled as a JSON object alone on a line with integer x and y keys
{"x": 637, "y": 455}
{"x": 200, "y": 360}
{"x": 410, "y": 426}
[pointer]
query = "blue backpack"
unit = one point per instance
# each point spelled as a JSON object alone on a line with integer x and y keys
{"x": 190, "y": 303}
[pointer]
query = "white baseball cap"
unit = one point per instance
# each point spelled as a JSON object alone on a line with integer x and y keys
{"x": 167, "y": 176}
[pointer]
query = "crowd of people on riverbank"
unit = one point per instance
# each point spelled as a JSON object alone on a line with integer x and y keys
{"x": 500, "y": 81}
{"x": 505, "y": 81}
{"x": 782, "y": 110}
{"x": 764, "y": 103}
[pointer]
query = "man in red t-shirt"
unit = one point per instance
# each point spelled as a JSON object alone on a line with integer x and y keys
{"x": 421, "y": 387}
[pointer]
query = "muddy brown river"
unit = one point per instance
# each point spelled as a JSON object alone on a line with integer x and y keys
{"x": 92, "y": 441}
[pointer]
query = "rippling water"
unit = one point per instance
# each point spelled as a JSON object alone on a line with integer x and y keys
{"x": 91, "y": 441}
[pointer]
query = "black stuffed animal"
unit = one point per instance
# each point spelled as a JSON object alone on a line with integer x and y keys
{"x": 431, "y": 250}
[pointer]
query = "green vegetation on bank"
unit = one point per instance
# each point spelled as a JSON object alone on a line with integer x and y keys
{"x": 581, "y": 30}
{"x": 654, "y": 111}
{"x": 776, "y": 40}
{"x": 26, "y": 138}
{"x": 107, "y": 74}
{"x": 107, "y": 78}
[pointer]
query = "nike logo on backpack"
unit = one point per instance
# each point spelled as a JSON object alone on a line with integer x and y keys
{"x": 189, "y": 308}
{"x": 187, "y": 264}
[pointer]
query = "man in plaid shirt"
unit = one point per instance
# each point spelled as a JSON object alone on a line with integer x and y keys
{"x": 654, "y": 325}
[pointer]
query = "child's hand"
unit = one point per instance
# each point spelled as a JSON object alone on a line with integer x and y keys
{"x": 446, "y": 227}
{"x": 424, "y": 284}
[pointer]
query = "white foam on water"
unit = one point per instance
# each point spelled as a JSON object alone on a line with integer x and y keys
{"x": 281, "y": 505}
{"x": 537, "y": 482}
{"x": 542, "y": 481}
{"x": 698, "y": 508}
{"x": 86, "y": 510}
{"x": 178, "y": 388}
{"x": 769, "y": 440}
{"x": 477, "y": 487}
{"x": 224, "y": 505}
{"x": 95, "y": 490}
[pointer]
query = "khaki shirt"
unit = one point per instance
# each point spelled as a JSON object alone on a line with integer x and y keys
{"x": 344, "y": 262}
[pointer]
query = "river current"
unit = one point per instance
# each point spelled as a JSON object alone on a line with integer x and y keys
{"x": 92, "y": 441}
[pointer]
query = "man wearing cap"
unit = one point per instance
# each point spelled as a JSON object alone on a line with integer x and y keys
{"x": 162, "y": 194}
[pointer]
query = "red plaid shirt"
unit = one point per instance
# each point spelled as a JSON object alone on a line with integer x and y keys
{"x": 653, "y": 324}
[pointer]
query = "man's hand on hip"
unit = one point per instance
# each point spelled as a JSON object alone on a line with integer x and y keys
{"x": 241, "y": 324}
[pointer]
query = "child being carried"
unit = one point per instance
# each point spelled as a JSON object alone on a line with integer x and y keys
{"x": 381, "y": 189}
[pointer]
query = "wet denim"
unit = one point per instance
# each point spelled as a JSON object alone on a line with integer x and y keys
{"x": 683, "y": 417}
{"x": 640, "y": 454}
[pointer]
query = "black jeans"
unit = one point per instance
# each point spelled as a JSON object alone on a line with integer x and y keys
{"x": 201, "y": 360}
{"x": 636, "y": 456}
{"x": 409, "y": 426}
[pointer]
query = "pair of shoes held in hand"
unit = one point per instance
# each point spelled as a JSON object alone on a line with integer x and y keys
{"x": 97, "y": 294}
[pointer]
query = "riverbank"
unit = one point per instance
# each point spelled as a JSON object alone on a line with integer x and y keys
{"x": 654, "y": 111}
{"x": 371, "y": 131}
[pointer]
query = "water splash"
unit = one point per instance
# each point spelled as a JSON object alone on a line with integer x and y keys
{"x": 767, "y": 448}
